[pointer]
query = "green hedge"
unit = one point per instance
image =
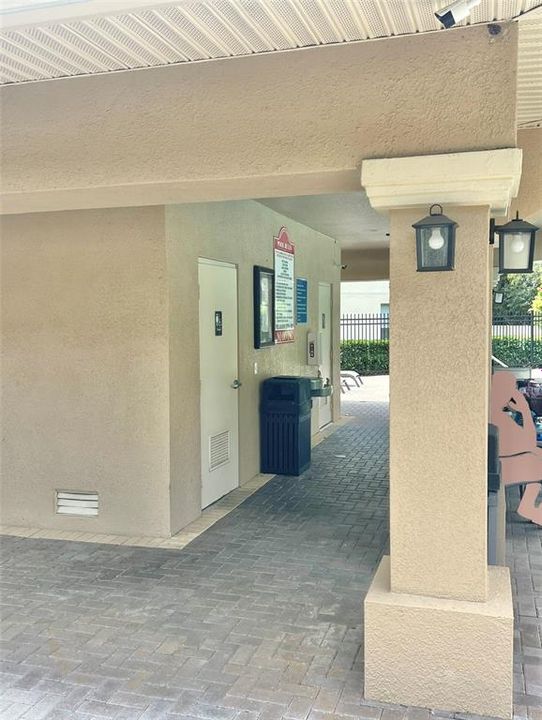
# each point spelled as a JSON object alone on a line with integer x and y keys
{"x": 367, "y": 357}
{"x": 516, "y": 352}
{"x": 371, "y": 357}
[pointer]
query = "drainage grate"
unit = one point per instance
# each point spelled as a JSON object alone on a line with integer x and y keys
{"x": 72, "y": 502}
{"x": 219, "y": 449}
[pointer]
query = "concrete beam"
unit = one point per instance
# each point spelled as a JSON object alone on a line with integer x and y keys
{"x": 269, "y": 125}
{"x": 365, "y": 264}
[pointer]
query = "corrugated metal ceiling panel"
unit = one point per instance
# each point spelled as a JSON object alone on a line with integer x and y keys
{"x": 529, "y": 93}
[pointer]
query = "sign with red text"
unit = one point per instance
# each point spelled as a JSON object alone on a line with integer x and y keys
{"x": 284, "y": 255}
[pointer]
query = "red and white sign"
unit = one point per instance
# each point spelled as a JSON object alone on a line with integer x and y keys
{"x": 284, "y": 255}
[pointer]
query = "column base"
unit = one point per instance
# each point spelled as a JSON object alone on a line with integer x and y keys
{"x": 437, "y": 653}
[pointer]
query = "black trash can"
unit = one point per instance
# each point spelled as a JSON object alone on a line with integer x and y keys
{"x": 493, "y": 487}
{"x": 285, "y": 425}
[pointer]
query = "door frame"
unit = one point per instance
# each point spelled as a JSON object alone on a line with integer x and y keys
{"x": 331, "y": 353}
{"x": 204, "y": 260}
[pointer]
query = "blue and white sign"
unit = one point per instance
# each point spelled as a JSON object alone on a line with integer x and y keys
{"x": 301, "y": 300}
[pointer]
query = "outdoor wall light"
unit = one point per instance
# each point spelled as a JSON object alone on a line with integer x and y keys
{"x": 516, "y": 245}
{"x": 435, "y": 241}
{"x": 498, "y": 297}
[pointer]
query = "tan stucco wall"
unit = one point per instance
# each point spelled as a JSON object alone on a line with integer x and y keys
{"x": 240, "y": 233}
{"x": 100, "y": 363}
{"x": 365, "y": 264}
{"x": 84, "y": 368}
{"x": 270, "y": 125}
{"x": 439, "y": 375}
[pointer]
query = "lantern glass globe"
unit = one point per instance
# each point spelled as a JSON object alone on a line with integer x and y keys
{"x": 436, "y": 241}
{"x": 518, "y": 243}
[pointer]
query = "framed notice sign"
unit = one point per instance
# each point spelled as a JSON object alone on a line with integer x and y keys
{"x": 264, "y": 334}
{"x": 284, "y": 288}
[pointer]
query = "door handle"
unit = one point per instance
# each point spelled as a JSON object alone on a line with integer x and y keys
{"x": 236, "y": 384}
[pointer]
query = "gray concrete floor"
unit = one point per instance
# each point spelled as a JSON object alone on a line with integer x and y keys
{"x": 258, "y": 619}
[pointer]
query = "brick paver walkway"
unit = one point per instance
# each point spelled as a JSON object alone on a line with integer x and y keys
{"x": 258, "y": 619}
{"x": 524, "y": 555}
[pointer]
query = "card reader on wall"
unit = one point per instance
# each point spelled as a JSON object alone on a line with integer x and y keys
{"x": 313, "y": 349}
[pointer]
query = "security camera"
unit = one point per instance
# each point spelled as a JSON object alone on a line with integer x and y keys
{"x": 456, "y": 11}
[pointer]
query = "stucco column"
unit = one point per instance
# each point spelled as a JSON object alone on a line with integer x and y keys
{"x": 439, "y": 372}
{"x": 438, "y": 621}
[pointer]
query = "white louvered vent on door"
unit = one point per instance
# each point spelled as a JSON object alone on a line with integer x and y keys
{"x": 219, "y": 450}
{"x": 73, "y": 502}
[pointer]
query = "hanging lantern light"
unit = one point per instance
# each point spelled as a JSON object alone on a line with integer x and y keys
{"x": 435, "y": 241}
{"x": 516, "y": 246}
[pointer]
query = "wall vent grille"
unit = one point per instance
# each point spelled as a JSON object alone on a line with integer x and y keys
{"x": 219, "y": 450}
{"x": 73, "y": 502}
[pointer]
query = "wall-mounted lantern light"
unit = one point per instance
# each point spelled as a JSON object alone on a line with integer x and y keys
{"x": 516, "y": 245}
{"x": 435, "y": 241}
{"x": 498, "y": 297}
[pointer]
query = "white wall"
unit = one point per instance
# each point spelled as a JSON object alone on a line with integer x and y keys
{"x": 364, "y": 297}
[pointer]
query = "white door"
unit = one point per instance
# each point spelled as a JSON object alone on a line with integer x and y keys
{"x": 324, "y": 329}
{"x": 219, "y": 391}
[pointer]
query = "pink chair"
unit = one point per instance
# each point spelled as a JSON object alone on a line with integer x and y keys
{"x": 521, "y": 460}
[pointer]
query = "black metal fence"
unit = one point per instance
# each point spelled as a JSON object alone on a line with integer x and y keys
{"x": 520, "y": 326}
{"x": 516, "y": 338}
{"x": 365, "y": 327}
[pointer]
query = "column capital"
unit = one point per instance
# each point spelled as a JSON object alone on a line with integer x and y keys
{"x": 486, "y": 177}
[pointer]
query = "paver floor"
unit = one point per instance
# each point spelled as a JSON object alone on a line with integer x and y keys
{"x": 259, "y": 618}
